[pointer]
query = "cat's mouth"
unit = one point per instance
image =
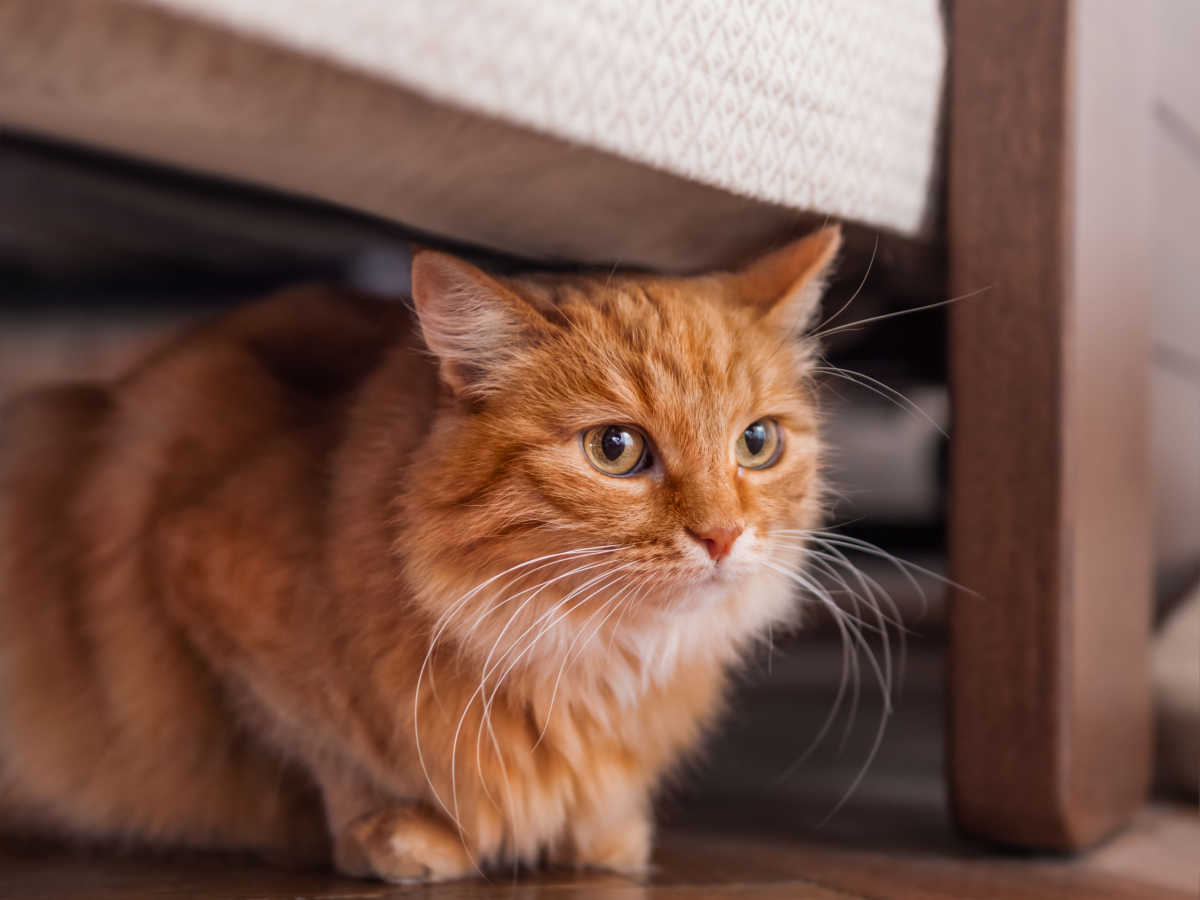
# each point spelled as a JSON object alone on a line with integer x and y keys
{"x": 724, "y": 572}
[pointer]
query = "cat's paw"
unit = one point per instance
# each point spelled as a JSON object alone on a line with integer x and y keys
{"x": 623, "y": 848}
{"x": 404, "y": 845}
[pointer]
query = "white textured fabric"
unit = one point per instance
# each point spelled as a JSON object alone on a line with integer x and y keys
{"x": 820, "y": 105}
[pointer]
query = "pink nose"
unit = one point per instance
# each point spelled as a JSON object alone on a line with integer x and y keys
{"x": 718, "y": 541}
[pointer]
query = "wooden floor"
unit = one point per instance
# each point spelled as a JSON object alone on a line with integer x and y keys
{"x": 737, "y": 829}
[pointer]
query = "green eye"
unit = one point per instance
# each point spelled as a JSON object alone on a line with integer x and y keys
{"x": 759, "y": 445}
{"x": 616, "y": 450}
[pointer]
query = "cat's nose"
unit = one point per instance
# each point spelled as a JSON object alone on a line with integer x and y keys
{"x": 718, "y": 541}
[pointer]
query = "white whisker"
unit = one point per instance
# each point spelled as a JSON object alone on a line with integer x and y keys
{"x": 546, "y": 629}
{"x": 533, "y": 591}
{"x": 850, "y": 628}
{"x": 624, "y": 591}
{"x": 438, "y": 629}
{"x": 903, "y": 564}
{"x": 901, "y": 312}
{"x": 822, "y": 594}
{"x": 646, "y": 581}
{"x": 820, "y": 329}
{"x": 879, "y": 388}
{"x": 874, "y": 663}
{"x": 878, "y": 597}
{"x": 874, "y": 602}
{"x": 485, "y": 714}
{"x": 831, "y": 717}
{"x": 481, "y": 690}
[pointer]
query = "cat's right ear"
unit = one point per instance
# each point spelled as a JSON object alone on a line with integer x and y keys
{"x": 470, "y": 321}
{"x": 786, "y": 284}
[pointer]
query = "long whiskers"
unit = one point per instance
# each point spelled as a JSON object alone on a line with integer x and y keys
{"x": 613, "y": 604}
{"x": 849, "y": 674}
{"x": 488, "y": 669}
{"x": 879, "y": 388}
{"x": 874, "y": 597}
{"x": 882, "y": 679}
{"x": 905, "y": 567}
{"x": 826, "y": 553}
{"x": 443, "y": 622}
{"x": 900, "y": 312}
{"x": 489, "y": 697}
{"x": 532, "y": 593}
{"x": 841, "y": 309}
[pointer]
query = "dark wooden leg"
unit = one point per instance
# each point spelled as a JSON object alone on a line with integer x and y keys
{"x": 1049, "y": 738}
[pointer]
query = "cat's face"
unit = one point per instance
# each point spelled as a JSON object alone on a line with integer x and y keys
{"x": 644, "y": 439}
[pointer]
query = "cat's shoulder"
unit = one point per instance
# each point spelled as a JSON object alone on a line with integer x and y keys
{"x": 314, "y": 337}
{"x": 328, "y": 311}
{"x": 44, "y": 419}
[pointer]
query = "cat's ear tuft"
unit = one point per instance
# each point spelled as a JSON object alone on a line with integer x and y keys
{"x": 786, "y": 284}
{"x": 471, "y": 321}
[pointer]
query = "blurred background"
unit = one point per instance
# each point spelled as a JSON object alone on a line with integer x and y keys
{"x": 162, "y": 162}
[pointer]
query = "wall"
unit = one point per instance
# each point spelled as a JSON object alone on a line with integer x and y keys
{"x": 1174, "y": 133}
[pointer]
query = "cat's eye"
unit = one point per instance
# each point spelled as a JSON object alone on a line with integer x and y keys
{"x": 759, "y": 445}
{"x": 617, "y": 450}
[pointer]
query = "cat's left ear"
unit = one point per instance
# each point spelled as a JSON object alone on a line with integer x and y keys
{"x": 786, "y": 284}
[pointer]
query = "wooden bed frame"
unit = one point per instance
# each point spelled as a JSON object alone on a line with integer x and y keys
{"x": 1049, "y": 737}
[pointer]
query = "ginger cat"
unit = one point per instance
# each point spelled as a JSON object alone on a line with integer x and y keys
{"x": 322, "y": 582}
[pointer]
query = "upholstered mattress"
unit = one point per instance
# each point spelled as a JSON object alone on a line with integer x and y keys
{"x": 670, "y": 133}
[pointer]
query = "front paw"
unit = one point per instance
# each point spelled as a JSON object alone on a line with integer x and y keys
{"x": 403, "y": 845}
{"x": 623, "y": 847}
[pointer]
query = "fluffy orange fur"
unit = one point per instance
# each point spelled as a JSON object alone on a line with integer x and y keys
{"x": 314, "y": 582}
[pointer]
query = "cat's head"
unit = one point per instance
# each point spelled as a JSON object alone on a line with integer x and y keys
{"x": 644, "y": 442}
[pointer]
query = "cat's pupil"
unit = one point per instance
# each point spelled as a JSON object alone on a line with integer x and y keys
{"x": 755, "y": 437}
{"x": 614, "y": 442}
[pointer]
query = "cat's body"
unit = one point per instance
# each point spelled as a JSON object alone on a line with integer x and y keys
{"x": 294, "y": 584}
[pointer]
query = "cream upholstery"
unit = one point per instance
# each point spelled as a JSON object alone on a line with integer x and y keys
{"x": 670, "y": 133}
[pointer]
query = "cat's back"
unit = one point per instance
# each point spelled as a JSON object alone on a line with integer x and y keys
{"x": 192, "y": 411}
{"x": 91, "y": 475}
{"x": 286, "y": 363}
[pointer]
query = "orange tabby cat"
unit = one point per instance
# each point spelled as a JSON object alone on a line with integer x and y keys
{"x": 311, "y": 581}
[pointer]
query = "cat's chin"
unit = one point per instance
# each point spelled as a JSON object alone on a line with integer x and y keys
{"x": 712, "y": 585}
{"x": 700, "y": 585}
